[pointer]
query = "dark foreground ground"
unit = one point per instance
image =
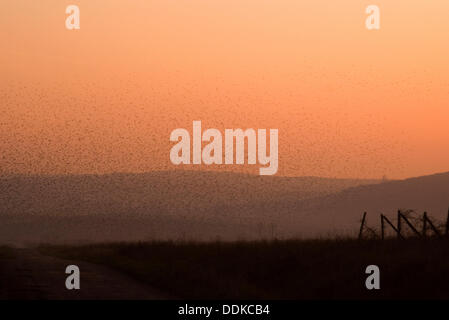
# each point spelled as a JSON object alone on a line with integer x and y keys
{"x": 26, "y": 274}
{"x": 319, "y": 269}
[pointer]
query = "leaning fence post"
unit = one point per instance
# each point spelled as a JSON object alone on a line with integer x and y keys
{"x": 399, "y": 224}
{"x": 409, "y": 224}
{"x": 435, "y": 230}
{"x": 424, "y": 224}
{"x": 362, "y": 225}
{"x": 392, "y": 226}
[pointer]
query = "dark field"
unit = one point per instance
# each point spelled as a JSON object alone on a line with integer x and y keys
{"x": 295, "y": 269}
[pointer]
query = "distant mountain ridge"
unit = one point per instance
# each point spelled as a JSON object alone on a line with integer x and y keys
{"x": 165, "y": 204}
{"x": 341, "y": 212}
{"x": 203, "y": 205}
{"x": 164, "y": 190}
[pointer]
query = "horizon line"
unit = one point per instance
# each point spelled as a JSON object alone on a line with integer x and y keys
{"x": 199, "y": 171}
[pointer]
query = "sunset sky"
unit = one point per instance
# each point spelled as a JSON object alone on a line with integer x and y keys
{"x": 348, "y": 102}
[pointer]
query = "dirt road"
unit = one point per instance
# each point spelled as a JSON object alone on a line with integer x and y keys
{"x": 27, "y": 274}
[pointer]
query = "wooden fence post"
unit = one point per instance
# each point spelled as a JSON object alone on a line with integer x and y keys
{"x": 409, "y": 224}
{"x": 433, "y": 227}
{"x": 392, "y": 226}
{"x": 424, "y": 224}
{"x": 399, "y": 224}
{"x": 362, "y": 225}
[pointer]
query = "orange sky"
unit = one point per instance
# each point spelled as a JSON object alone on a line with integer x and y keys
{"x": 348, "y": 102}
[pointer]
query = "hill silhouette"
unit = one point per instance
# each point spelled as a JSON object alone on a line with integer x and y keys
{"x": 341, "y": 211}
{"x": 203, "y": 206}
{"x": 156, "y": 205}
